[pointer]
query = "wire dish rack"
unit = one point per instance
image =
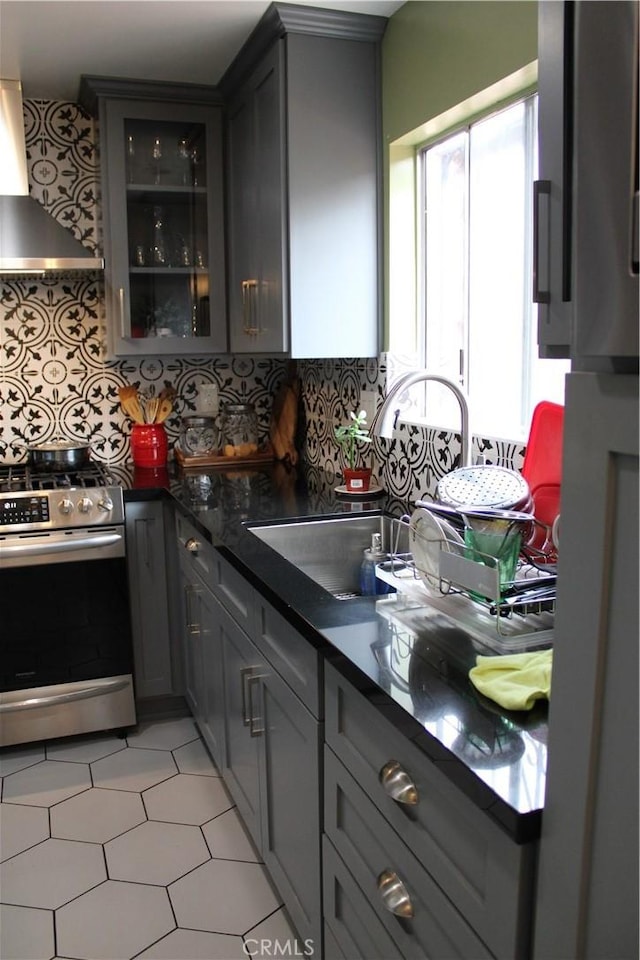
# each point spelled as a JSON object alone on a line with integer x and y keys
{"x": 465, "y": 585}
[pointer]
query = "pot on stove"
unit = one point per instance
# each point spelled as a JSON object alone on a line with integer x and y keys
{"x": 58, "y": 455}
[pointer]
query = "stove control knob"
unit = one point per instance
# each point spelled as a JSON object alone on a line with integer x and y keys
{"x": 65, "y": 506}
{"x": 85, "y": 504}
{"x": 105, "y": 503}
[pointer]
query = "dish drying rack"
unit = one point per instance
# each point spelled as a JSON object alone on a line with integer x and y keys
{"x": 469, "y": 591}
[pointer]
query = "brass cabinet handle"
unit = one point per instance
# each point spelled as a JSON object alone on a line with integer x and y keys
{"x": 254, "y": 729}
{"x": 394, "y": 895}
{"x": 250, "y": 308}
{"x": 192, "y": 545}
{"x": 193, "y": 628}
{"x": 124, "y": 333}
{"x": 541, "y": 294}
{"x": 244, "y": 674}
{"x": 398, "y": 784}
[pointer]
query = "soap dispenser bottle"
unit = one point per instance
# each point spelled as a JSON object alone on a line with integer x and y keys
{"x": 370, "y": 585}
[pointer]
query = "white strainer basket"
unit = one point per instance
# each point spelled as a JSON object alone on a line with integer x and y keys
{"x": 484, "y": 486}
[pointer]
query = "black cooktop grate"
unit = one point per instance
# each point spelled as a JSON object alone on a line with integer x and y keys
{"x": 18, "y": 478}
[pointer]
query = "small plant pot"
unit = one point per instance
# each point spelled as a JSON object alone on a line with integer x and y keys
{"x": 357, "y": 481}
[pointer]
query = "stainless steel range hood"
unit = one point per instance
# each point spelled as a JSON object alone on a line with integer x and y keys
{"x": 31, "y": 240}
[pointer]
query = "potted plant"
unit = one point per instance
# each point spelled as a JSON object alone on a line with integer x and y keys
{"x": 349, "y": 436}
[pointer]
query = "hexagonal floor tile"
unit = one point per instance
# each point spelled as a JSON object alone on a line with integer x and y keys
{"x": 227, "y": 838}
{"x": 26, "y": 934}
{"x": 52, "y": 873}
{"x": 97, "y": 815}
{"x": 85, "y": 749}
{"x": 20, "y": 828}
{"x": 156, "y": 853}
{"x": 46, "y": 783}
{"x": 133, "y": 769}
{"x": 194, "y": 758}
{"x": 164, "y": 734}
{"x": 223, "y": 896}
{"x": 187, "y": 799}
{"x": 113, "y": 922}
{"x": 197, "y": 945}
{"x": 278, "y": 929}
{"x": 13, "y": 759}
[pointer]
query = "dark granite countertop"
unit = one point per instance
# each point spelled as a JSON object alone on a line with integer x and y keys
{"x": 412, "y": 667}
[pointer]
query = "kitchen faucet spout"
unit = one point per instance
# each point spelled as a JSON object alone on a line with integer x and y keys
{"x": 387, "y": 416}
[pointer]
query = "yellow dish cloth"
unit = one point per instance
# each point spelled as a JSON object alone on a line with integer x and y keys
{"x": 516, "y": 680}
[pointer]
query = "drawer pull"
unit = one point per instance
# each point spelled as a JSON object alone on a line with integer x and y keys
{"x": 398, "y": 784}
{"x": 192, "y": 545}
{"x": 394, "y": 895}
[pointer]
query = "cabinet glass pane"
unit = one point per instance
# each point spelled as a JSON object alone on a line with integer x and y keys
{"x": 167, "y": 228}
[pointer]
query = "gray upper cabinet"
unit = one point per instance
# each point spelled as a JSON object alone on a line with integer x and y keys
{"x": 586, "y": 200}
{"x": 163, "y": 216}
{"x": 553, "y": 192}
{"x": 303, "y": 185}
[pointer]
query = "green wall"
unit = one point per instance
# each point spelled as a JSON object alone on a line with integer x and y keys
{"x": 437, "y": 54}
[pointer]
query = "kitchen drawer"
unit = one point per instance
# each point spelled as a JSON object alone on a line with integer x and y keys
{"x": 352, "y": 929}
{"x": 371, "y": 848}
{"x": 235, "y": 593}
{"x": 486, "y": 875}
{"x": 295, "y": 659}
{"x": 229, "y": 586}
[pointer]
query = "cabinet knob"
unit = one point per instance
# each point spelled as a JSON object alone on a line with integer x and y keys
{"x": 398, "y": 784}
{"x": 192, "y": 545}
{"x": 394, "y": 895}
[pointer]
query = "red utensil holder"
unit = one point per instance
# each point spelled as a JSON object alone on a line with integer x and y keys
{"x": 149, "y": 445}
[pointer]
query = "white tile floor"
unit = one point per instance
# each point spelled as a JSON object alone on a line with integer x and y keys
{"x": 118, "y": 848}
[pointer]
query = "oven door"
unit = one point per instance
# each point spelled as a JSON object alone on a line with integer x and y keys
{"x": 66, "y": 655}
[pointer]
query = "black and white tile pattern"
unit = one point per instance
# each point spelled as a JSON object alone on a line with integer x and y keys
{"x": 55, "y": 382}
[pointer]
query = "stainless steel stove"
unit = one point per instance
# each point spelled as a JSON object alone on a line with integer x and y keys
{"x": 65, "y": 648}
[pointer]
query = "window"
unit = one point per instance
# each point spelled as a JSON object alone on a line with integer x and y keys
{"x": 479, "y": 321}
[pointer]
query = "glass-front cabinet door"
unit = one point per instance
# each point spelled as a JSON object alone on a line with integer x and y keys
{"x": 163, "y": 226}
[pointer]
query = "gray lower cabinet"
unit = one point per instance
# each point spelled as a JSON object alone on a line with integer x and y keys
{"x": 252, "y": 683}
{"x": 469, "y": 887}
{"x": 242, "y": 668}
{"x": 202, "y": 632}
{"x": 272, "y": 767}
{"x": 146, "y": 551}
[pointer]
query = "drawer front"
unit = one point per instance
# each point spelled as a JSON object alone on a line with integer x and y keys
{"x": 415, "y": 913}
{"x": 487, "y": 876}
{"x": 352, "y": 929}
{"x": 233, "y": 591}
{"x": 293, "y": 657}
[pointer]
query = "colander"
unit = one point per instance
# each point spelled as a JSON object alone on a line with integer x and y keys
{"x": 485, "y": 485}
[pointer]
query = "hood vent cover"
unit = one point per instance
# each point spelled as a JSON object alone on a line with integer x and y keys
{"x": 31, "y": 240}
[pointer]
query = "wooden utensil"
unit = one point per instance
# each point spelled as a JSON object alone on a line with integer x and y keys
{"x": 165, "y": 406}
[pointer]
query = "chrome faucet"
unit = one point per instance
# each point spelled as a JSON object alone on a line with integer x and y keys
{"x": 386, "y": 418}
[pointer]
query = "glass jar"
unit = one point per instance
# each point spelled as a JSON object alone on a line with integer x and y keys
{"x": 199, "y": 436}
{"x": 239, "y": 430}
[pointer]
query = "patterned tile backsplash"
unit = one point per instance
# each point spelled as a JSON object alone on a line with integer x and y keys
{"x": 56, "y": 383}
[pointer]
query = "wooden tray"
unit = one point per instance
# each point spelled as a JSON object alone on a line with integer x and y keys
{"x": 265, "y": 455}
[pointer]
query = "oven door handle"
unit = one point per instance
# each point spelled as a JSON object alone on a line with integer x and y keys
{"x": 53, "y": 544}
{"x": 95, "y": 688}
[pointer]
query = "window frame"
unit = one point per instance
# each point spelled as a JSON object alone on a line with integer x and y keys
{"x": 528, "y": 97}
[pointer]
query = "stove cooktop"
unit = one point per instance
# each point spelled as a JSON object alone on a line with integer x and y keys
{"x": 19, "y": 478}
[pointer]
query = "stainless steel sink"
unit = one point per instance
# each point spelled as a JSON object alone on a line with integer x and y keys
{"x": 328, "y": 550}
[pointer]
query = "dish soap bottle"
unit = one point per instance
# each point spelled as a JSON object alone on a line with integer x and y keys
{"x": 370, "y": 585}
